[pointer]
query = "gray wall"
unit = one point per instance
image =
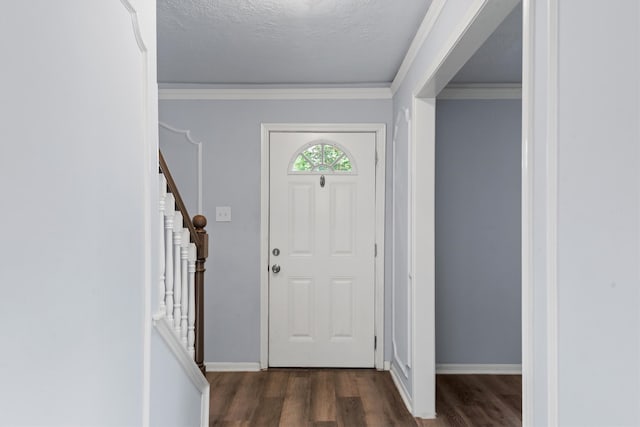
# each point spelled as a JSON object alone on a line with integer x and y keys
{"x": 182, "y": 158}
{"x": 230, "y": 132}
{"x": 478, "y": 145}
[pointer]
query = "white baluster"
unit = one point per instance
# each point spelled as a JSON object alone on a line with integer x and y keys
{"x": 162, "y": 181}
{"x": 169, "y": 213}
{"x": 184, "y": 255}
{"x": 191, "y": 330}
{"x": 177, "y": 274}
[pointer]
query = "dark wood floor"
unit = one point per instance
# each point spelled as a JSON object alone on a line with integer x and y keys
{"x": 356, "y": 397}
{"x": 477, "y": 400}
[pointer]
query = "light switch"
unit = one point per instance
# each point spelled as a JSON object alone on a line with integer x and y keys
{"x": 223, "y": 213}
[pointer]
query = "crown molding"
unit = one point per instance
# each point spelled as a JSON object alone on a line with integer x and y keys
{"x": 433, "y": 13}
{"x": 482, "y": 91}
{"x": 454, "y": 91}
{"x": 225, "y": 94}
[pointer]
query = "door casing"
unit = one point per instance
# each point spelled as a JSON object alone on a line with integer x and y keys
{"x": 380, "y": 133}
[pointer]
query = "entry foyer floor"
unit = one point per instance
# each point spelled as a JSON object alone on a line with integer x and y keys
{"x": 356, "y": 397}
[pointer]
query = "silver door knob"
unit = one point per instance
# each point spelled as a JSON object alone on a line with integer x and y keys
{"x": 275, "y": 268}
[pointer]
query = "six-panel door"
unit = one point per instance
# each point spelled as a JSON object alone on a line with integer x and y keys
{"x": 322, "y": 220}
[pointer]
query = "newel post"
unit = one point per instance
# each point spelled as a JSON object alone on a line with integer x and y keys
{"x": 200, "y": 222}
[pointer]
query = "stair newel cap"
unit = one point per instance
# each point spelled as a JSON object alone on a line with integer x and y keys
{"x": 199, "y": 222}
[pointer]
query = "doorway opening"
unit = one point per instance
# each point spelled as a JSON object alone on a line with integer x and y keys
{"x": 457, "y": 232}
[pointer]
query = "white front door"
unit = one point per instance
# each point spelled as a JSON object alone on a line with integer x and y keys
{"x": 321, "y": 250}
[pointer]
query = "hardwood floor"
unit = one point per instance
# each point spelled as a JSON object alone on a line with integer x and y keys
{"x": 477, "y": 400}
{"x": 356, "y": 397}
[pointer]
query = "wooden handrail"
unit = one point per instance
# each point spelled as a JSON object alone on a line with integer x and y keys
{"x": 200, "y": 238}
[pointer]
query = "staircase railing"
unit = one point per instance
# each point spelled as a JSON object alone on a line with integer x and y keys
{"x": 184, "y": 249}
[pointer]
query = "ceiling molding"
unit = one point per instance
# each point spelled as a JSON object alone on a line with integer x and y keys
{"x": 482, "y": 91}
{"x": 453, "y": 91}
{"x": 433, "y": 13}
{"x": 217, "y": 94}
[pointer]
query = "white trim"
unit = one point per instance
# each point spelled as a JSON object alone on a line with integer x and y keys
{"x": 148, "y": 208}
{"x": 404, "y": 394}
{"x": 381, "y": 182}
{"x": 527, "y": 212}
{"x": 381, "y": 136}
{"x": 266, "y": 93}
{"x": 204, "y": 407}
{"x": 135, "y": 24}
{"x": 482, "y": 91}
{"x": 387, "y": 365}
{"x": 166, "y": 331}
{"x": 428, "y": 86}
{"x": 423, "y": 250}
{"x": 478, "y": 369}
{"x": 403, "y": 366}
{"x": 264, "y": 247}
{"x": 232, "y": 367}
{"x": 430, "y": 18}
{"x": 187, "y": 135}
{"x": 411, "y": 260}
{"x": 552, "y": 213}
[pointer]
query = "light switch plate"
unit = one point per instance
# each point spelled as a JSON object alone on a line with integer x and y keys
{"x": 223, "y": 213}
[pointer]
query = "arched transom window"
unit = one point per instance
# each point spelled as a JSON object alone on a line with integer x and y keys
{"x": 322, "y": 157}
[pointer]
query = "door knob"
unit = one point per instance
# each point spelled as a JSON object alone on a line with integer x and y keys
{"x": 275, "y": 268}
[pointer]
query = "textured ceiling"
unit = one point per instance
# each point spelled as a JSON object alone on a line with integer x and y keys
{"x": 499, "y": 59}
{"x": 285, "y": 41}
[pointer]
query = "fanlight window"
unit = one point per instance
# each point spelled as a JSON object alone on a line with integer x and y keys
{"x": 322, "y": 158}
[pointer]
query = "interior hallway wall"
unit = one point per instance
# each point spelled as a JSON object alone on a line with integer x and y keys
{"x": 478, "y": 196}
{"x": 230, "y": 133}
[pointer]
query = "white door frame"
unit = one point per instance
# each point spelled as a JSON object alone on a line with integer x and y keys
{"x": 381, "y": 135}
{"x": 482, "y": 19}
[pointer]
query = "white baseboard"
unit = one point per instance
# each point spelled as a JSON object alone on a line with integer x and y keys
{"x": 250, "y": 366}
{"x": 232, "y": 367}
{"x": 495, "y": 369}
{"x": 404, "y": 394}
